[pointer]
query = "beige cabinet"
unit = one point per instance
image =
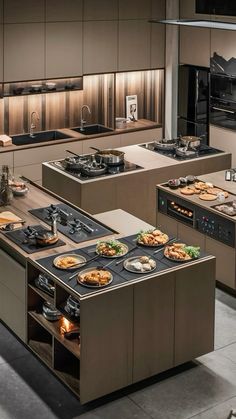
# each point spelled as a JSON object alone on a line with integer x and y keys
{"x": 63, "y": 49}
{"x": 100, "y": 46}
{"x": 6, "y": 158}
{"x": 140, "y": 10}
{"x": 107, "y": 10}
{"x": 138, "y": 137}
{"x": 1, "y": 11}
{"x": 223, "y": 43}
{"x": 153, "y": 343}
{"x": 225, "y": 272}
{"x": 63, "y": 10}
{"x": 194, "y": 311}
{"x": 157, "y": 45}
{"x": 224, "y": 139}
{"x": 134, "y": 45}
{"x": 23, "y": 51}
{"x": 13, "y": 295}
{"x": 158, "y": 9}
{"x": 16, "y": 11}
{"x": 109, "y": 141}
{"x": 195, "y": 46}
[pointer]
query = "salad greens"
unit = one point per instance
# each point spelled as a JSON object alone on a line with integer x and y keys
{"x": 192, "y": 251}
{"x": 112, "y": 244}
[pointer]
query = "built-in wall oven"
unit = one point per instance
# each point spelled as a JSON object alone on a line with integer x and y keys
{"x": 223, "y": 101}
{"x": 213, "y": 225}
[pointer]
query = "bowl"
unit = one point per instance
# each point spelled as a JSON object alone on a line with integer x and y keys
{"x": 50, "y": 86}
{"x": 190, "y": 178}
{"x": 19, "y": 190}
{"x": 121, "y": 123}
{"x": 36, "y": 87}
{"x": 173, "y": 183}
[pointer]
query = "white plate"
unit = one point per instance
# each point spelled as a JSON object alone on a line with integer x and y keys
{"x": 79, "y": 258}
{"x": 125, "y": 247}
{"x": 130, "y": 269}
{"x": 90, "y": 285}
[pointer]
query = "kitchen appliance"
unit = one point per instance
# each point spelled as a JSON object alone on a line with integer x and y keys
{"x": 29, "y": 244}
{"x": 181, "y": 155}
{"x": 201, "y": 219}
{"x": 72, "y": 307}
{"x": 223, "y": 100}
{"x": 123, "y": 167}
{"x": 73, "y": 223}
{"x": 193, "y": 102}
{"x": 50, "y": 312}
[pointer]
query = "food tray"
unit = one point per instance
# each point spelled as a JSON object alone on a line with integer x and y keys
{"x": 223, "y": 208}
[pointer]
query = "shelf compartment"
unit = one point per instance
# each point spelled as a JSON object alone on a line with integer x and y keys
{"x": 54, "y": 329}
{"x": 42, "y": 294}
{"x": 36, "y": 87}
{"x": 61, "y": 296}
{"x": 40, "y": 341}
{"x": 67, "y": 367}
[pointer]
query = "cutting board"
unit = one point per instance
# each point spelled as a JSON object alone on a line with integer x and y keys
{"x": 7, "y": 217}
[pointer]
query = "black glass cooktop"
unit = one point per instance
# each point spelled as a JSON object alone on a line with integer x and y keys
{"x": 204, "y": 150}
{"x": 111, "y": 170}
{"x": 72, "y": 223}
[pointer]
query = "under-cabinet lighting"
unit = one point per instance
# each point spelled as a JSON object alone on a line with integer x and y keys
{"x": 211, "y": 24}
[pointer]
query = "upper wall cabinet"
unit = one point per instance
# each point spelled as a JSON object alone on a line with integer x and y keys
{"x": 100, "y": 47}
{"x": 158, "y": 9}
{"x": 141, "y": 9}
{"x": 16, "y": 11}
{"x": 195, "y": 46}
{"x": 100, "y": 10}
{"x": 134, "y": 45}
{"x": 187, "y": 10}
{"x": 63, "y": 10}
{"x": 23, "y": 51}
{"x": 63, "y": 49}
{"x": 1, "y": 11}
{"x": 1, "y": 52}
{"x": 223, "y": 43}
{"x": 157, "y": 45}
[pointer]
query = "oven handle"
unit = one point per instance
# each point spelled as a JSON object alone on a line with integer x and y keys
{"x": 223, "y": 110}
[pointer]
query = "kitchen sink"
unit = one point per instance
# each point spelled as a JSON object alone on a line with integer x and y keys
{"x": 92, "y": 129}
{"x": 39, "y": 137}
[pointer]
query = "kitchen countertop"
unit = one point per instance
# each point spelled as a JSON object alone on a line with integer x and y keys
{"x": 218, "y": 180}
{"x": 142, "y": 124}
{"x": 147, "y": 159}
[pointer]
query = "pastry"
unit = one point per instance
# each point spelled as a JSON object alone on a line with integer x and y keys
{"x": 207, "y": 197}
{"x": 187, "y": 191}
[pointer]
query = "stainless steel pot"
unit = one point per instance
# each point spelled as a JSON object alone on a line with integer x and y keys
{"x": 165, "y": 145}
{"x": 190, "y": 141}
{"x": 109, "y": 157}
{"x": 74, "y": 163}
{"x": 93, "y": 167}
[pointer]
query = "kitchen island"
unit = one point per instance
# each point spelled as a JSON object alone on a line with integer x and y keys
{"x": 134, "y": 190}
{"x": 122, "y": 337}
{"x": 212, "y": 229}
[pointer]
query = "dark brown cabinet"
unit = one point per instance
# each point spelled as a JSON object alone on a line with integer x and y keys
{"x": 61, "y": 10}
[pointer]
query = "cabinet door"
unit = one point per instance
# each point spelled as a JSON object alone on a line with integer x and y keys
{"x": 109, "y": 141}
{"x": 140, "y": 10}
{"x": 138, "y": 137}
{"x": 106, "y": 325}
{"x": 63, "y": 49}
{"x": 6, "y": 158}
{"x": 153, "y": 326}
{"x": 194, "y": 311}
{"x": 191, "y": 236}
{"x": 16, "y": 11}
{"x": 23, "y": 51}
{"x": 100, "y": 47}
{"x": 157, "y": 45}
{"x": 61, "y": 10}
{"x": 224, "y": 139}
{"x": 1, "y": 52}
{"x": 195, "y": 46}
{"x": 187, "y": 10}
{"x": 107, "y": 10}
{"x": 134, "y": 45}
{"x": 158, "y": 9}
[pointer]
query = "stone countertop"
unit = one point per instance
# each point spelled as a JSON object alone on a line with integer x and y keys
{"x": 142, "y": 124}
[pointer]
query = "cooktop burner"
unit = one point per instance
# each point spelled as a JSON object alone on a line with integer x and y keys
{"x": 72, "y": 223}
{"x": 204, "y": 150}
{"x": 18, "y": 237}
{"x": 110, "y": 170}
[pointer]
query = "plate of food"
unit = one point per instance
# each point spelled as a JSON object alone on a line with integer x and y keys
{"x": 152, "y": 238}
{"x": 68, "y": 261}
{"x": 95, "y": 277}
{"x": 111, "y": 248}
{"x": 180, "y": 252}
{"x": 140, "y": 264}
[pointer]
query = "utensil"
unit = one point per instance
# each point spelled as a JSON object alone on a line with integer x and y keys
{"x": 128, "y": 253}
{"x": 110, "y": 157}
{"x": 83, "y": 264}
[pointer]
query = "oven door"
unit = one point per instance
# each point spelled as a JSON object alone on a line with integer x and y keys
{"x": 222, "y": 116}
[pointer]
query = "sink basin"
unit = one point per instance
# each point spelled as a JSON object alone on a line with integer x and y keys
{"x": 39, "y": 137}
{"x": 92, "y": 129}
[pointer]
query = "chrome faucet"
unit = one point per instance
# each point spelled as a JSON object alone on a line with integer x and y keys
{"x": 33, "y": 116}
{"x": 82, "y": 120}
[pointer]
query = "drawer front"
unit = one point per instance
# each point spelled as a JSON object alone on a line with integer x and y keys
{"x": 13, "y": 275}
{"x": 6, "y": 158}
{"x": 32, "y": 172}
{"x": 109, "y": 141}
{"x": 139, "y": 137}
{"x": 12, "y": 312}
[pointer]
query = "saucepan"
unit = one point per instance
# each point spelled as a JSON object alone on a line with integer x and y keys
{"x": 74, "y": 163}
{"x": 190, "y": 141}
{"x": 110, "y": 157}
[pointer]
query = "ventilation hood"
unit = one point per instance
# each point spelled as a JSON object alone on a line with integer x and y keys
{"x": 198, "y": 23}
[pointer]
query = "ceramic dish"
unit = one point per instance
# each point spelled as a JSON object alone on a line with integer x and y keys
{"x": 151, "y": 236}
{"x": 133, "y": 264}
{"x": 63, "y": 261}
{"x": 123, "y": 252}
{"x": 82, "y": 278}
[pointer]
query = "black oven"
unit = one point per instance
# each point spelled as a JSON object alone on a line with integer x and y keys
{"x": 223, "y": 101}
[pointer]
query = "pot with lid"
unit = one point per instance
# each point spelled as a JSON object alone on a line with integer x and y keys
{"x": 110, "y": 157}
{"x": 190, "y": 141}
{"x": 165, "y": 145}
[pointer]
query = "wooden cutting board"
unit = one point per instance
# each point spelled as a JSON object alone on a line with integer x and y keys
{"x": 7, "y": 217}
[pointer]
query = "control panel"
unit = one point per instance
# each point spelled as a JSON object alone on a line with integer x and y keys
{"x": 215, "y": 226}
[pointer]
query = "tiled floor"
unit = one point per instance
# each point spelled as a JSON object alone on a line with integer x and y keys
{"x": 205, "y": 389}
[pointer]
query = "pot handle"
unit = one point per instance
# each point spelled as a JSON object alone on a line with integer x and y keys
{"x": 94, "y": 148}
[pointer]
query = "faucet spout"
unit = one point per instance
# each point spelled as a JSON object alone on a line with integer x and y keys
{"x": 82, "y": 120}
